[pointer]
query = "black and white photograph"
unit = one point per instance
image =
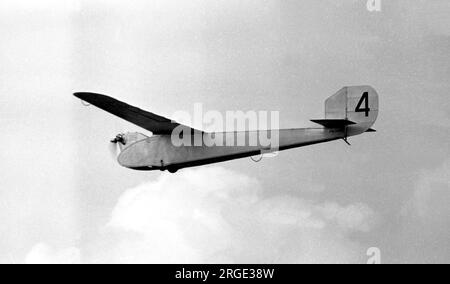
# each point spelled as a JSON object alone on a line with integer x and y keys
{"x": 224, "y": 139}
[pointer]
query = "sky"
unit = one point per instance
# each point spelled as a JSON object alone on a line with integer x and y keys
{"x": 64, "y": 200}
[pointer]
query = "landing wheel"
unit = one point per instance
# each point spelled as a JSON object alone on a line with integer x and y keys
{"x": 172, "y": 170}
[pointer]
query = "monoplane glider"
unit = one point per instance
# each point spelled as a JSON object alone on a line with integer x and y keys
{"x": 351, "y": 111}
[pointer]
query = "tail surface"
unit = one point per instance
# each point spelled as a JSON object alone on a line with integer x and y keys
{"x": 353, "y": 108}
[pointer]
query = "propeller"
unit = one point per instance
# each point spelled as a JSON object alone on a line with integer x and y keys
{"x": 114, "y": 145}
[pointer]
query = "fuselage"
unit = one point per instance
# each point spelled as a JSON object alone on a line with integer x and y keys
{"x": 159, "y": 152}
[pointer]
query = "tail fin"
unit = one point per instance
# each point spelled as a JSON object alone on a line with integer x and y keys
{"x": 353, "y": 108}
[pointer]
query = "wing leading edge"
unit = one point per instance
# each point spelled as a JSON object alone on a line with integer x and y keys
{"x": 158, "y": 125}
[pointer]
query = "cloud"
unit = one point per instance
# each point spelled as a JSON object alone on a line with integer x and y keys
{"x": 213, "y": 215}
{"x": 422, "y": 230}
{"x": 44, "y": 254}
{"x": 432, "y": 194}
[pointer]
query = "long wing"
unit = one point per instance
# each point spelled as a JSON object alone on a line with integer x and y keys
{"x": 156, "y": 124}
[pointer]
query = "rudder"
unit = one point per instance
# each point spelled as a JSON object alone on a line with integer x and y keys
{"x": 358, "y": 104}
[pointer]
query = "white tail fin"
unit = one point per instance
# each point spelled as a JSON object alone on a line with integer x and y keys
{"x": 354, "y": 109}
{"x": 358, "y": 104}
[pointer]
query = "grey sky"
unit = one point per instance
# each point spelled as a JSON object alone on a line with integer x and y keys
{"x": 61, "y": 194}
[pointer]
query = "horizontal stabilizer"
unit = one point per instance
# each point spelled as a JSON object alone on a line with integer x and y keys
{"x": 333, "y": 123}
{"x": 371, "y": 130}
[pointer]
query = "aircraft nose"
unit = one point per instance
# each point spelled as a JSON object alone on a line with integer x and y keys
{"x": 134, "y": 156}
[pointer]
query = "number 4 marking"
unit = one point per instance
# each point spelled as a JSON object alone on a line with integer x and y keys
{"x": 364, "y": 99}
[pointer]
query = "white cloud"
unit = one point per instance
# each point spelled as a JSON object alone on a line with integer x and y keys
{"x": 432, "y": 190}
{"x": 43, "y": 5}
{"x": 44, "y": 254}
{"x": 422, "y": 231}
{"x": 213, "y": 215}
